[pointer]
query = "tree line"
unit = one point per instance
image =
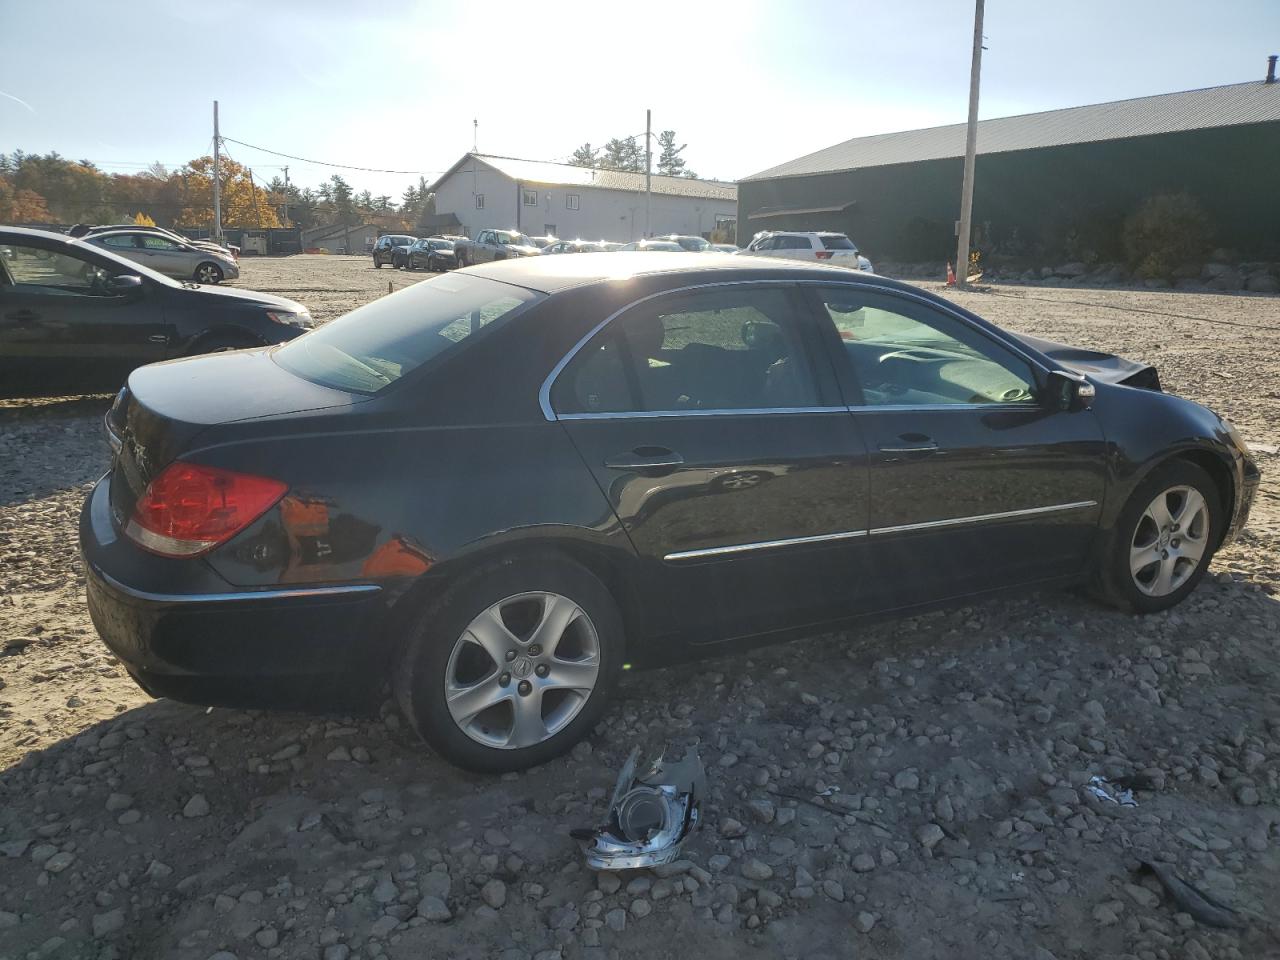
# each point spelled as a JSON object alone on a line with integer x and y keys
{"x": 50, "y": 188}
{"x": 627, "y": 153}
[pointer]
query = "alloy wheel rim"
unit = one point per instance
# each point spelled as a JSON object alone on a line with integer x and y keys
{"x": 522, "y": 670}
{"x": 207, "y": 274}
{"x": 1169, "y": 541}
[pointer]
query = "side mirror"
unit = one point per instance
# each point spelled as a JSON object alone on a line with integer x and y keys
{"x": 124, "y": 285}
{"x": 1069, "y": 391}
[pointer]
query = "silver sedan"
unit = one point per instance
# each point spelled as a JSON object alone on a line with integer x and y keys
{"x": 168, "y": 255}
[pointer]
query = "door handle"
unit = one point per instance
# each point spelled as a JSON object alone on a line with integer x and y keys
{"x": 22, "y": 316}
{"x": 645, "y": 458}
{"x": 912, "y": 443}
{"x": 158, "y": 338}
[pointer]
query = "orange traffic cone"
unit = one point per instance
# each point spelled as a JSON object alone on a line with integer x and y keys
{"x": 951, "y": 275}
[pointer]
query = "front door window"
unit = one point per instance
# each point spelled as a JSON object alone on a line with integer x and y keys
{"x": 905, "y": 354}
{"x": 37, "y": 270}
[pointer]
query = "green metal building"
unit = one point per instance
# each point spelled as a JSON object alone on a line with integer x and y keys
{"x": 1040, "y": 177}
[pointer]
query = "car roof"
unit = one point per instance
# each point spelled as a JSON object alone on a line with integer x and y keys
{"x": 553, "y": 274}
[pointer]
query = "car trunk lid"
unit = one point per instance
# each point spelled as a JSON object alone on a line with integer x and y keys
{"x": 166, "y": 406}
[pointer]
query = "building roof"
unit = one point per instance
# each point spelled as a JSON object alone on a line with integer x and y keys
{"x": 544, "y": 173}
{"x": 1233, "y": 105}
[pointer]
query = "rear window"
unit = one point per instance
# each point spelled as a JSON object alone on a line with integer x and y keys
{"x": 837, "y": 242}
{"x": 372, "y": 347}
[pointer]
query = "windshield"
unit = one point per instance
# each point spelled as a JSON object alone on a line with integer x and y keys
{"x": 372, "y": 347}
{"x": 515, "y": 239}
{"x": 696, "y": 244}
{"x": 440, "y": 244}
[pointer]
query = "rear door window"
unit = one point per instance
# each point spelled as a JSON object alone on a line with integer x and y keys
{"x": 372, "y": 347}
{"x": 722, "y": 349}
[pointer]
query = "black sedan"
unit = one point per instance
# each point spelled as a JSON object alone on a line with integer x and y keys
{"x": 431, "y": 253}
{"x": 494, "y": 489}
{"x": 75, "y": 318}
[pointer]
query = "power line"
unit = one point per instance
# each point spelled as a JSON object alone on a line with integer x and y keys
{"x": 326, "y": 163}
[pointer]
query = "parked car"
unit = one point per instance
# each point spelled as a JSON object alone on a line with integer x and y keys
{"x": 431, "y": 253}
{"x": 543, "y": 242}
{"x": 76, "y": 318}
{"x": 609, "y": 246}
{"x": 653, "y": 246}
{"x": 174, "y": 258}
{"x": 494, "y": 245}
{"x": 834, "y": 248}
{"x": 725, "y": 248}
{"x": 386, "y": 247}
{"x": 573, "y": 246}
{"x": 226, "y": 249}
{"x": 495, "y": 488}
{"x": 692, "y": 244}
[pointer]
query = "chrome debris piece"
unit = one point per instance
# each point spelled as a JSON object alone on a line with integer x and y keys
{"x": 650, "y": 815}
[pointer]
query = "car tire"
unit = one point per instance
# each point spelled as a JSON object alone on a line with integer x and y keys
{"x": 207, "y": 273}
{"x": 377, "y": 263}
{"x": 439, "y": 654}
{"x": 1155, "y": 558}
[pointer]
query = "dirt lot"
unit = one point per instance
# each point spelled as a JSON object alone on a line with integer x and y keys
{"x": 915, "y": 790}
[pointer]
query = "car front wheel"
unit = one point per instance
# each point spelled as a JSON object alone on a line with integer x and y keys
{"x": 1166, "y": 536}
{"x": 208, "y": 273}
{"x": 513, "y": 665}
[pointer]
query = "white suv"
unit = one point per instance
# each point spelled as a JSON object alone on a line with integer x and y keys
{"x": 833, "y": 248}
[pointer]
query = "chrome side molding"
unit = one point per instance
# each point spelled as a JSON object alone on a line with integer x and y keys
{"x": 706, "y": 552}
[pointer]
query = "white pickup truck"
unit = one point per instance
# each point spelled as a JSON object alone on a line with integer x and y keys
{"x": 494, "y": 245}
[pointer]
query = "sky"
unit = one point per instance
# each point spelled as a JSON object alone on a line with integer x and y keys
{"x": 746, "y": 84}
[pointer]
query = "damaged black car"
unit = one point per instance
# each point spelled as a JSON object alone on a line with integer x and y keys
{"x": 492, "y": 491}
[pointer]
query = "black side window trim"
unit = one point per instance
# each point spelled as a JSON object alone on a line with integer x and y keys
{"x": 825, "y": 382}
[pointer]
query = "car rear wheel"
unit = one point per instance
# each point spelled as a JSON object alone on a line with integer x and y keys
{"x": 1165, "y": 539}
{"x": 513, "y": 665}
{"x": 208, "y": 273}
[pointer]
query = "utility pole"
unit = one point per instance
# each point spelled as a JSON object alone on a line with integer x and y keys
{"x": 285, "y": 219}
{"x": 970, "y": 153}
{"x": 648, "y": 163}
{"x": 217, "y": 178}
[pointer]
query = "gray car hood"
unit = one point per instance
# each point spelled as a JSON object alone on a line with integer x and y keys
{"x": 1104, "y": 367}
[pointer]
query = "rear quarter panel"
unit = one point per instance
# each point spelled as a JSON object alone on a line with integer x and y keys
{"x": 391, "y": 502}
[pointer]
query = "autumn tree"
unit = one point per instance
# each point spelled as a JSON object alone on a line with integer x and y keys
{"x": 22, "y": 206}
{"x": 244, "y": 204}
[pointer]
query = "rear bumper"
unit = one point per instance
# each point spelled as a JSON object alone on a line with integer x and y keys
{"x": 190, "y": 636}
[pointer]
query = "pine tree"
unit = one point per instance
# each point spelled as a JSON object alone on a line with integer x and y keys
{"x": 623, "y": 155}
{"x": 670, "y": 163}
{"x": 585, "y": 156}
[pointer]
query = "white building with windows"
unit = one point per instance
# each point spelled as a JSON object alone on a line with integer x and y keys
{"x": 557, "y": 199}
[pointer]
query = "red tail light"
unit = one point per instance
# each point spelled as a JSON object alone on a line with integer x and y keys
{"x": 822, "y": 254}
{"x": 189, "y": 509}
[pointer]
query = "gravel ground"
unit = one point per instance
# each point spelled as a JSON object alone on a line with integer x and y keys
{"x": 912, "y": 790}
